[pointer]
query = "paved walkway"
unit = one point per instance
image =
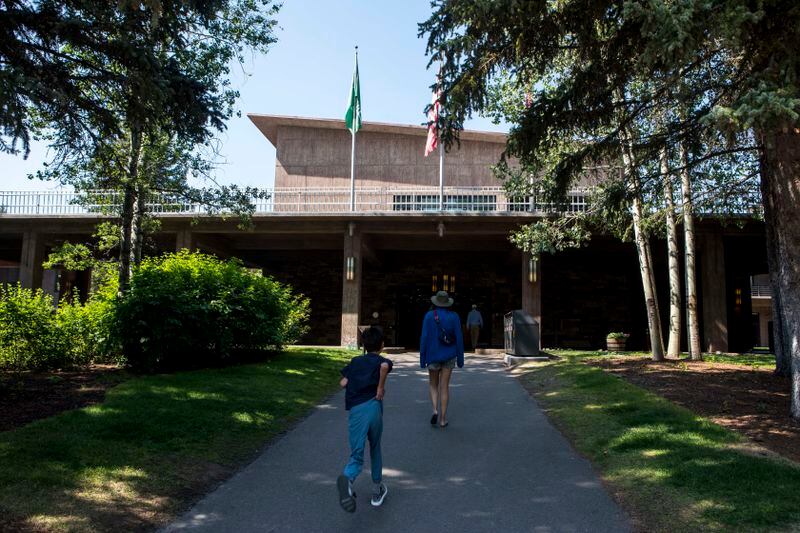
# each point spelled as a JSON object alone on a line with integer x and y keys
{"x": 499, "y": 466}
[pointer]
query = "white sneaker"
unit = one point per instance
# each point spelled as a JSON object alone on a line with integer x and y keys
{"x": 379, "y": 495}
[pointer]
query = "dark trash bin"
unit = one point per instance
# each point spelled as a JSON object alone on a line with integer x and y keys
{"x": 521, "y": 334}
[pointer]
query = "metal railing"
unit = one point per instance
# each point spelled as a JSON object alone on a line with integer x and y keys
{"x": 760, "y": 290}
{"x": 297, "y": 201}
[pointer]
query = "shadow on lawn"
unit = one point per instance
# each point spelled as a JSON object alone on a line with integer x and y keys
{"x": 653, "y": 449}
{"x": 155, "y": 445}
{"x": 752, "y": 401}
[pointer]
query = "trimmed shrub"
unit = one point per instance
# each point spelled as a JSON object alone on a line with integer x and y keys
{"x": 191, "y": 310}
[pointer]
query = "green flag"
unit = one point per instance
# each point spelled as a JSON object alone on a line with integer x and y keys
{"x": 352, "y": 118}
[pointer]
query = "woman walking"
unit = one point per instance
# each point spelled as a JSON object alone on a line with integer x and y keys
{"x": 440, "y": 349}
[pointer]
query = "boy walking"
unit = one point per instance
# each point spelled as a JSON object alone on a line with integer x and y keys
{"x": 365, "y": 380}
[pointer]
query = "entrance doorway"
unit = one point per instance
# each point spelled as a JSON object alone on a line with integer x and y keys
{"x": 413, "y": 301}
{"x": 398, "y": 285}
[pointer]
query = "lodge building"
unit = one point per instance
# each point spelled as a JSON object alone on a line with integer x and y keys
{"x": 378, "y": 255}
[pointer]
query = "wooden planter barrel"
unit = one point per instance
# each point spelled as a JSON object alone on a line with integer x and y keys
{"x": 616, "y": 345}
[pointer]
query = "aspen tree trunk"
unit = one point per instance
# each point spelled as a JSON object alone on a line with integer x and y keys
{"x": 129, "y": 208}
{"x": 693, "y": 326}
{"x": 674, "y": 343}
{"x": 780, "y": 182}
{"x": 642, "y": 247}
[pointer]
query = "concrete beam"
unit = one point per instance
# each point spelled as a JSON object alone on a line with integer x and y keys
{"x": 32, "y": 257}
{"x": 351, "y": 288}
{"x": 714, "y": 292}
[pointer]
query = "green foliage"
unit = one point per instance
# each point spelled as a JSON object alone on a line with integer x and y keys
{"x": 570, "y": 76}
{"x": 87, "y": 328}
{"x": 29, "y": 337}
{"x": 70, "y": 257}
{"x": 190, "y": 310}
{"x": 550, "y": 236}
{"x": 618, "y": 335}
{"x": 34, "y": 335}
{"x": 75, "y": 66}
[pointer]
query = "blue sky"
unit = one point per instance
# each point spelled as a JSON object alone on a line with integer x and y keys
{"x": 308, "y": 73}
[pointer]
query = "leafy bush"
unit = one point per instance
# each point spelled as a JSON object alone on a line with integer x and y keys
{"x": 29, "y": 337}
{"x": 86, "y": 330}
{"x": 190, "y": 310}
{"x": 36, "y": 336}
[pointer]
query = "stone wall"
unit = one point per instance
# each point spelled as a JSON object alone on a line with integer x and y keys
{"x": 589, "y": 292}
{"x": 318, "y": 275}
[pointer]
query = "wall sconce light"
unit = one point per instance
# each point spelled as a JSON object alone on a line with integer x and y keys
{"x": 350, "y": 268}
{"x": 351, "y": 228}
{"x": 440, "y": 229}
{"x": 434, "y": 283}
{"x": 446, "y": 283}
{"x": 533, "y": 270}
{"x": 453, "y": 283}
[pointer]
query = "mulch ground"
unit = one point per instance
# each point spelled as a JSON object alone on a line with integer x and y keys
{"x": 31, "y": 396}
{"x": 751, "y": 401}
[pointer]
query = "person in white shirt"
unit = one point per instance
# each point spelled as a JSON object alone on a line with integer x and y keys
{"x": 474, "y": 325}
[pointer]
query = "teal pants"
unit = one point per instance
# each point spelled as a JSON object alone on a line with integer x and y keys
{"x": 365, "y": 424}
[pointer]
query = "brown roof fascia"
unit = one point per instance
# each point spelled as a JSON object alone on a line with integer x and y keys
{"x": 268, "y": 125}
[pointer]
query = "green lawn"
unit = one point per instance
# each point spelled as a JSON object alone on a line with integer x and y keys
{"x": 759, "y": 360}
{"x": 155, "y": 444}
{"x": 673, "y": 470}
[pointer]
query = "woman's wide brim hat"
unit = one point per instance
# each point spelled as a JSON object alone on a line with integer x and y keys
{"x": 442, "y": 299}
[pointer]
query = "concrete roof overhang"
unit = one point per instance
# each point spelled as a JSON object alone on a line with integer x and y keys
{"x": 268, "y": 125}
{"x": 315, "y": 223}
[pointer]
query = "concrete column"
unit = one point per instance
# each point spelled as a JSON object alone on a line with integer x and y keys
{"x": 351, "y": 289}
{"x": 532, "y": 292}
{"x": 30, "y": 268}
{"x": 713, "y": 286}
{"x": 184, "y": 239}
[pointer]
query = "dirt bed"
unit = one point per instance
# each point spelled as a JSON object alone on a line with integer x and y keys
{"x": 751, "y": 401}
{"x": 31, "y": 396}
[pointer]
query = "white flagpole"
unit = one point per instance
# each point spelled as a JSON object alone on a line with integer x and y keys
{"x": 353, "y": 171}
{"x": 441, "y": 148}
{"x": 441, "y": 175}
{"x": 353, "y": 149}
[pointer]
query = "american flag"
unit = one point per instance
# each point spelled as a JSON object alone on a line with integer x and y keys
{"x": 433, "y": 122}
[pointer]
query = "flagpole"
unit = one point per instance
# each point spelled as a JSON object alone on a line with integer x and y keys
{"x": 353, "y": 156}
{"x": 441, "y": 175}
{"x": 441, "y": 149}
{"x": 353, "y": 171}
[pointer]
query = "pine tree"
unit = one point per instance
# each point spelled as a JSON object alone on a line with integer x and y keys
{"x": 589, "y": 50}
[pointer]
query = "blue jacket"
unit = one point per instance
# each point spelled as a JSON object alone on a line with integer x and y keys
{"x": 431, "y": 349}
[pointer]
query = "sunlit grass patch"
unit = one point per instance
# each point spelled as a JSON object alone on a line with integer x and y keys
{"x": 674, "y": 470}
{"x": 756, "y": 360}
{"x": 156, "y": 443}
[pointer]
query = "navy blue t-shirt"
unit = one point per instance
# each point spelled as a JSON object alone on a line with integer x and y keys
{"x": 363, "y": 375}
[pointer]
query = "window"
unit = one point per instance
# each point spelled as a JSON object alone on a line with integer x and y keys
{"x": 452, "y": 202}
